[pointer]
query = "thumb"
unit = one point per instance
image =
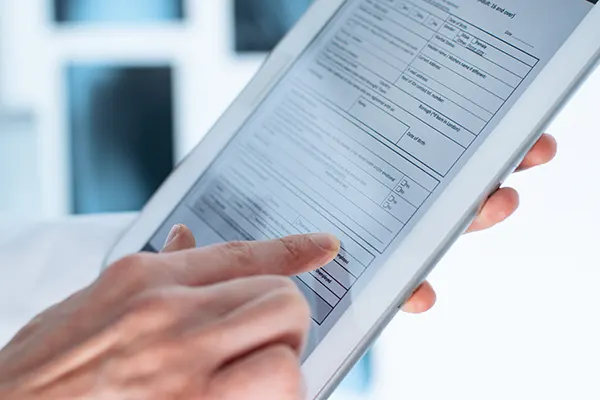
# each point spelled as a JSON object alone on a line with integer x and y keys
{"x": 180, "y": 238}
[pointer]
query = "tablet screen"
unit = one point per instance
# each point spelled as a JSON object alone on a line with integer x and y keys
{"x": 368, "y": 126}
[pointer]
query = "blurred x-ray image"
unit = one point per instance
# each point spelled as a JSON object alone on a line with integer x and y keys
{"x": 121, "y": 135}
{"x": 261, "y": 24}
{"x": 93, "y": 11}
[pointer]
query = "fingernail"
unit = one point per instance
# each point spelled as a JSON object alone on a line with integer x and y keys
{"x": 173, "y": 234}
{"x": 325, "y": 241}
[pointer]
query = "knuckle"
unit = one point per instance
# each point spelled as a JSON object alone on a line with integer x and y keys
{"x": 241, "y": 252}
{"x": 132, "y": 268}
{"x": 152, "y": 310}
{"x": 293, "y": 248}
{"x": 284, "y": 355}
{"x": 156, "y": 301}
{"x": 276, "y": 282}
{"x": 292, "y": 301}
{"x": 286, "y": 367}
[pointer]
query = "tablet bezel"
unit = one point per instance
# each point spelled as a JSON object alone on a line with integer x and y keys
{"x": 431, "y": 236}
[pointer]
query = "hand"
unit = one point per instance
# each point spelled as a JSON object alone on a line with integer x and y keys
{"x": 496, "y": 209}
{"x": 221, "y": 322}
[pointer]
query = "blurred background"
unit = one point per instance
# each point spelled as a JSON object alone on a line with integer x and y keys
{"x": 100, "y": 99}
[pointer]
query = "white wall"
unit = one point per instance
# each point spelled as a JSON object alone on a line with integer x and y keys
{"x": 19, "y": 163}
{"x": 518, "y": 313}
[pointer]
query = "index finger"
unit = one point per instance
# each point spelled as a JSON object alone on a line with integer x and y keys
{"x": 289, "y": 256}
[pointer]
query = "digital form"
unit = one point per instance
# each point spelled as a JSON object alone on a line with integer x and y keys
{"x": 368, "y": 125}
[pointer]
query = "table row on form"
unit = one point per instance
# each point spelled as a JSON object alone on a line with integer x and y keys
{"x": 441, "y": 82}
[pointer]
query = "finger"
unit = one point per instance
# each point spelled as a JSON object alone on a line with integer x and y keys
{"x": 180, "y": 238}
{"x": 541, "y": 153}
{"x": 188, "y": 308}
{"x": 223, "y": 298}
{"x": 278, "y": 317}
{"x": 421, "y": 301}
{"x": 289, "y": 256}
{"x": 497, "y": 208}
{"x": 271, "y": 373}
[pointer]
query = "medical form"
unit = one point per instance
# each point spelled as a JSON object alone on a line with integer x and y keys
{"x": 368, "y": 125}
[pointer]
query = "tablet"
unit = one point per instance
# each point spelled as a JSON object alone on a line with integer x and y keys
{"x": 386, "y": 123}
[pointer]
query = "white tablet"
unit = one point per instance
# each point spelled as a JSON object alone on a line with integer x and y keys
{"x": 386, "y": 123}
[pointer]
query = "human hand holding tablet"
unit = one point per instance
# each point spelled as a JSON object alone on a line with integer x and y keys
{"x": 385, "y": 123}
